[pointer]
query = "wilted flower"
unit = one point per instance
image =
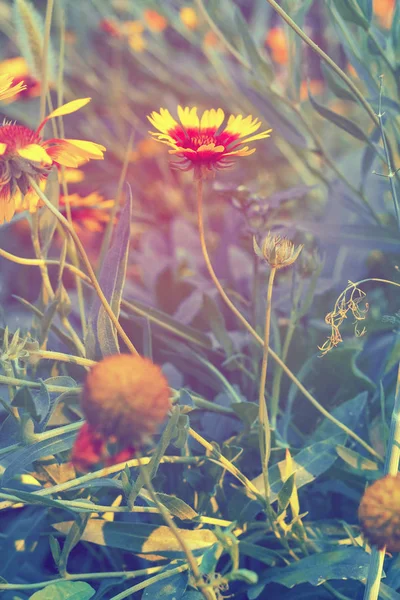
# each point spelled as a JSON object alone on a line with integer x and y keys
{"x": 7, "y": 89}
{"x": 277, "y": 251}
{"x": 125, "y": 399}
{"x": 200, "y": 143}
{"x": 379, "y": 513}
{"x": 348, "y": 300}
{"x": 24, "y": 154}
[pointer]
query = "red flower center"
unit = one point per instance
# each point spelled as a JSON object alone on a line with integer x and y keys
{"x": 17, "y": 136}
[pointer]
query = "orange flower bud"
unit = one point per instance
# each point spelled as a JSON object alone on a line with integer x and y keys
{"x": 379, "y": 513}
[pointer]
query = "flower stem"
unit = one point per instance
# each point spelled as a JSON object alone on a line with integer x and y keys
{"x": 259, "y": 339}
{"x": 87, "y": 264}
{"x": 207, "y": 592}
{"x": 264, "y": 433}
{"x": 391, "y": 468}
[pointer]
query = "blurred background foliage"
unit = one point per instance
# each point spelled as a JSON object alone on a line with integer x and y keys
{"x": 322, "y": 180}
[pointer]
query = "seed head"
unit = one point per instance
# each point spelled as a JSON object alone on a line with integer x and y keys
{"x": 125, "y": 398}
{"x": 277, "y": 251}
{"x": 379, "y": 513}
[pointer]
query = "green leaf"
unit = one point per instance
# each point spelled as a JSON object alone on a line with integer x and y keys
{"x": 245, "y": 575}
{"x": 102, "y": 339}
{"x": 285, "y": 493}
{"x": 73, "y": 537}
{"x": 55, "y": 548}
{"x": 336, "y": 85}
{"x": 246, "y": 411}
{"x": 308, "y": 464}
{"x": 168, "y": 434}
{"x": 23, "y": 399}
{"x": 348, "y": 563}
{"x": 260, "y": 553}
{"x": 182, "y": 431}
{"x": 355, "y": 460}
{"x": 350, "y": 11}
{"x": 217, "y": 323}
{"x": 177, "y": 507}
{"x": 172, "y": 588}
{"x": 168, "y": 323}
{"x": 338, "y": 120}
{"x": 47, "y": 220}
{"x": 258, "y": 63}
{"x": 65, "y": 590}
{"x": 142, "y": 538}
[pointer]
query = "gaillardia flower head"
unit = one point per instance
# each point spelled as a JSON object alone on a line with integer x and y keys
{"x": 202, "y": 143}
{"x": 25, "y": 155}
{"x": 125, "y": 399}
{"x": 379, "y": 513}
{"x": 277, "y": 251}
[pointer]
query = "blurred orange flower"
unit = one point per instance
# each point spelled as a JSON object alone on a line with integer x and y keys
{"x": 383, "y": 11}
{"x": 154, "y": 20}
{"x": 125, "y": 399}
{"x": 316, "y": 87}
{"x": 24, "y": 154}
{"x": 89, "y": 213}
{"x": 200, "y": 143}
{"x": 277, "y": 44}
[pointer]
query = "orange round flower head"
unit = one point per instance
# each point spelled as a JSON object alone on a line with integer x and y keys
{"x": 202, "y": 144}
{"x": 125, "y": 398}
{"x": 379, "y": 513}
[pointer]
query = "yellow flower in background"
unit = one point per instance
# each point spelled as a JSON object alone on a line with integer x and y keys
{"x": 189, "y": 17}
{"x": 24, "y": 154}
{"x": 18, "y": 69}
{"x": 7, "y": 90}
{"x": 202, "y": 143}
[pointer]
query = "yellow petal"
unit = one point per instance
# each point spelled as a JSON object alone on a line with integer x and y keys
{"x": 88, "y": 149}
{"x": 3, "y": 148}
{"x": 70, "y": 107}
{"x": 65, "y": 109}
{"x": 36, "y": 153}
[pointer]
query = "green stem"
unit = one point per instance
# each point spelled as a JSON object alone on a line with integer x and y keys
{"x": 144, "y": 584}
{"x": 44, "y": 74}
{"x": 259, "y": 339}
{"x": 391, "y": 173}
{"x": 87, "y": 264}
{"x": 264, "y": 432}
{"x": 391, "y": 468}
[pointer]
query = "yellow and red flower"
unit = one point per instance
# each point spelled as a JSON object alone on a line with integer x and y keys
{"x": 26, "y": 86}
{"x": 7, "y": 89}
{"x": 201, "y": 143}
{"x": 125, "y": 399}
{"x": 24, "y": 155}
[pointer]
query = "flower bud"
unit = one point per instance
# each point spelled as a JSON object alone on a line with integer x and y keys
{"x": 277, "y": 251}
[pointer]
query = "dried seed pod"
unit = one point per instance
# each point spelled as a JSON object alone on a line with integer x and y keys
{"x": 379, "y": 513}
